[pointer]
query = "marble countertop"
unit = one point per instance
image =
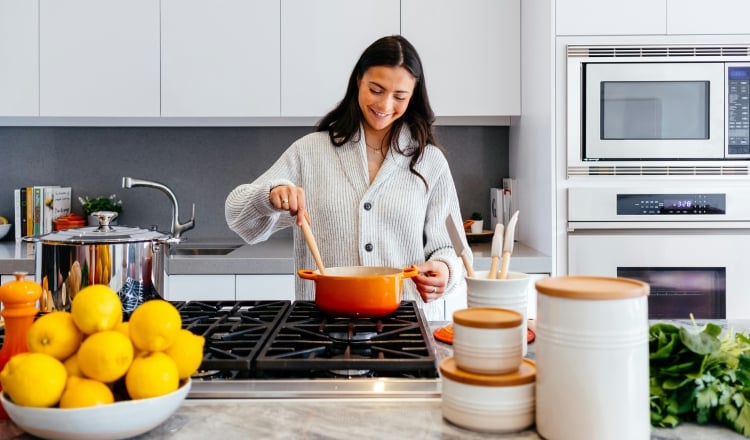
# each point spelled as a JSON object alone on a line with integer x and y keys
{"x": 348, "y": 418}
{"x": 274, "y": 256}
{"x": 339, "y": 420}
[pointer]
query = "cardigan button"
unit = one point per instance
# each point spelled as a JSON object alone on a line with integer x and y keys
{"x": 368, "y": 247}
{"x": 368, "y": 206}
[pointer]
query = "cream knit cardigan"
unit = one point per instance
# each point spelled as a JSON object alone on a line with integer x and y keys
{"x": 402, "y": 220}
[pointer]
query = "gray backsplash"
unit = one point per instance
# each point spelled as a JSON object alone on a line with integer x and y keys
{"x": 201, "y": 165}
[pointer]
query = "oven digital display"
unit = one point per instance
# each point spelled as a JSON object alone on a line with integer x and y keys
{"x": 678, "y": 203}
{"x": 671, "y": 204}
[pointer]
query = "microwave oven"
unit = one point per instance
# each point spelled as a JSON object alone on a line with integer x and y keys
{"x": 651, "y": 107}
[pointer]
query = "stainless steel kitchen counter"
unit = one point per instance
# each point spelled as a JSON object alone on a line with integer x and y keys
{"x": 274, "y": 256}
{"x": 15, "y": 257}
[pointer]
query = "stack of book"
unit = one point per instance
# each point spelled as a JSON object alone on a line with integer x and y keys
{"x": 37, "y": 206}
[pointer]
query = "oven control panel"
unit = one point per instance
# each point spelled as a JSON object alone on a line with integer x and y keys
{"x": 671, "y": 204}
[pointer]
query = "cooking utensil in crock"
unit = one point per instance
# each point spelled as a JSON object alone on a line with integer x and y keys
{"x": 359, "y": 291}
{"x": 459, "y": 245}
{"x": 497, "y": 245}
{"x": 311, "y": 243}
{"x": 510, "y": 232}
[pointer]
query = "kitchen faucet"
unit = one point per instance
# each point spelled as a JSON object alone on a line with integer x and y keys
{"x": 177, "y": 227}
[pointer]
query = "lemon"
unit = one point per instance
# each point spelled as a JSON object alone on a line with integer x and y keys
{"x": 34, "y": 379}
{"x": 124, "y": 328}
{"x": 80, "y": 392}
{"x": 55, "y": 334}
{"x": 186, "y": 352}
{"x": 105, "y": 356}
{"x": 151, "y": 375}
{"x": 71, "y": 365}
{"x": 3, "y": 220}
{"x": 96, "y": 308}
{"x": 154, "y": 325}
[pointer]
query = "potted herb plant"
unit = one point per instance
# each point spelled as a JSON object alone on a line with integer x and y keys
{"x": 100, "y": 203}
{"x": 478, "y": 222}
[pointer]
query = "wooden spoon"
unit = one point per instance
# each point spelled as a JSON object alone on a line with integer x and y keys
{"x": 311, "y": 244}
{"x": 497, "y": 249}
{"x": 510, "y": 231}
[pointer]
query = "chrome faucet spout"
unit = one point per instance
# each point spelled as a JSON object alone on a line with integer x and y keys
{"x": 177, "y": 227}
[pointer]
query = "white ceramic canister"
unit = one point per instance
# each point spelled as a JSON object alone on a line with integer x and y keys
{"x": 486, "y": 340}
{"x": 509, "y": 293}
{"x": 490, "y": 403}
{"x": 592, "y": 359}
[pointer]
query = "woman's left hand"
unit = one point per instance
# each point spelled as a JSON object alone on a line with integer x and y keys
{"x": 431, "y": 280}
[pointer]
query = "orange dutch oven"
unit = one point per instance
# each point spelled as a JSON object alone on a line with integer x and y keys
{"x": 359, "y": 291}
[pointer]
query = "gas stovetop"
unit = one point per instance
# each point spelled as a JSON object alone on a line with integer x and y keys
{"x": 283, "y": 349}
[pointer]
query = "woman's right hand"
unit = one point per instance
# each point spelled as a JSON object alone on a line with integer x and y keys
{"x": 289, "y": 198}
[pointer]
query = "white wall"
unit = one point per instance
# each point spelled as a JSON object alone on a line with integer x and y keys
{"x": 531, "y": 136}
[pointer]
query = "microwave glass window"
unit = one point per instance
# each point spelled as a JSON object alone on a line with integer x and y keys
{"x": 643, "y": 110}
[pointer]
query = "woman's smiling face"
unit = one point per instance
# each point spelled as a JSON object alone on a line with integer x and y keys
{"x": 384, "y": 94}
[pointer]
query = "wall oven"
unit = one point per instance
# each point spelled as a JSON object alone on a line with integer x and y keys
{"x": 687, "y": 240}
{"x": 658, "y": 109}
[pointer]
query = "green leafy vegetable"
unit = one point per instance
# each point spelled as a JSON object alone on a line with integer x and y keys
{"x": 699, "y": 375}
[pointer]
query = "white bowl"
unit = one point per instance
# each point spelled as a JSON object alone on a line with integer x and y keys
{"x": 115, "y": 421}
{"x": 4, "y": 228}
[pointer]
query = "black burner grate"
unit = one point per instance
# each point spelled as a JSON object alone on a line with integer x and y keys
{"x": 234, "y": 330}
{"x": 311, "y": 342}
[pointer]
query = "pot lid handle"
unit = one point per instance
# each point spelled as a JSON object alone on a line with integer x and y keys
{"x": 104, "y": 218}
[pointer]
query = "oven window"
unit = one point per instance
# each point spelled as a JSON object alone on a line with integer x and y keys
{"x": 642, "y": 110}
{"x": 678, "y": 292}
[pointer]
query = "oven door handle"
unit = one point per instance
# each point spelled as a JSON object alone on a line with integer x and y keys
{"x": 637, "y": 225}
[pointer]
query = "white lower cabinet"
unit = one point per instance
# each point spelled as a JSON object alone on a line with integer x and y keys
{"x": 199, "y": 287}
{"x": 262, "y": 287}
{"x": 229, "y": 287}
{"x": 278, "y": 287}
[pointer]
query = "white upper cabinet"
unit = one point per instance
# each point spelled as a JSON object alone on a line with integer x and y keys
{"x": 321, "y": 41}
{"x": 220, "y": 58}
{"x": 251, "y": 62}
{"x": 99, "y": 58}
{"x": 708, "y": 17}
{"x": 611, "y": 17}
{"x": 19, "y": 58}
{"x": 470, "y": 50}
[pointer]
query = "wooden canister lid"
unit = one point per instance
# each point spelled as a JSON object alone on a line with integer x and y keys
{"x": 597, "y": 288}
{"x": 525, "y": 374}
{"x": 487, "y": 317}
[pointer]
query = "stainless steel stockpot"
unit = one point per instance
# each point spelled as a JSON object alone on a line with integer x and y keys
{"x": 131, "y": 261}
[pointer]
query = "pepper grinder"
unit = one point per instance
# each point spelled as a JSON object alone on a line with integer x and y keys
{"x": 19, "y": 298}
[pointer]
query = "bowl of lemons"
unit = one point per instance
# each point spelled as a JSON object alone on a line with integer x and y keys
{"x": 90, "y": 375}
{"x": 119, "y": 420}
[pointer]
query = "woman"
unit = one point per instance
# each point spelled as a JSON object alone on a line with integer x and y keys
{"x": 372, "y": 181}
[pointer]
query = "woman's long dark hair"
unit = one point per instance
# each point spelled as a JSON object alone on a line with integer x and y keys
{"x": 343, "y": 122}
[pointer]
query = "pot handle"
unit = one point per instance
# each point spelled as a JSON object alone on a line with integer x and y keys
{"x": 307, "y": 274}
{"x": 409, "y": 272}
